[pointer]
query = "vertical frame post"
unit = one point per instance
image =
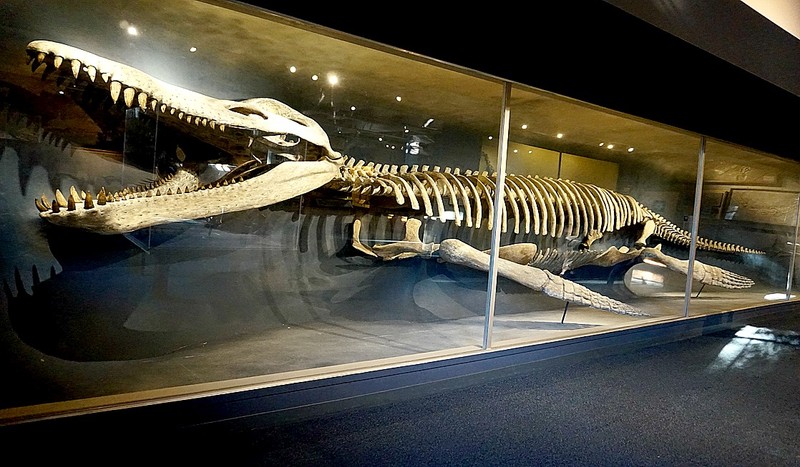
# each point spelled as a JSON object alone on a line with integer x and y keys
{"x": 698, "y": 193}
{"x": 499, "y": 212}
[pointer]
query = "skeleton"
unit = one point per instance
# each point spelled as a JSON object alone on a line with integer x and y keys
{"x": 540, "y": 206}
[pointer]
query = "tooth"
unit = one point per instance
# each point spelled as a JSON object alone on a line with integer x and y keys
{"x": 74, "y": 193}
{"x": 212, "y": 124}
{"x": 40, "y": 57}
{"x": 116, "y": 88}
{"x": 205, "y": 122}
{"x": 92, "y": 72}
{"x": 57, "y": 61}
{"x": 142, "y": 100}
{"x": 105, "y": 77}
{"x": 88, "y": 203}
{"x": 71, "y": 203}
{"x": 153, "y": 104}
{"x": 76, "y": 67}
{"x": 55, "y": 207}
{"x": 41, "y": 207}
{"x": 222, "y": 128}
{"x": 60, "y": 199}
{"x": 188, "y": 119}
{"x": 129, "y": 94}
{"x": 180, "y": 115}
{"x": 163, "y": 108}
{"x": 101, "y": 197}
{"x": 172, "y": 110}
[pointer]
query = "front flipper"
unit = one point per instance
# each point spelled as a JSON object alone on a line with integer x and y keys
{"x": 703, "y": 273}
{"x": 457, "y": 252}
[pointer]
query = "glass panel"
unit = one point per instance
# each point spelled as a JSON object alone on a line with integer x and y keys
{"x": 749, "y": 204}
{"x": 293, "y": 276}
{"x": 575, "y": 172}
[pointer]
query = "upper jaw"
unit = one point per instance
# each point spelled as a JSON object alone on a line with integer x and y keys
{"x": 262, "y": 122}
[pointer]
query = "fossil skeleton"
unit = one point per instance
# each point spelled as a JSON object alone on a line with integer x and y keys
{"x": 535, "y": 205}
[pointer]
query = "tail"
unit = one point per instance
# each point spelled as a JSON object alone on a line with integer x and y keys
{"x": 672, "y": 233}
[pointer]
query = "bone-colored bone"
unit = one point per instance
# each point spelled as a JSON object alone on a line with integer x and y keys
{"x": 76, "y": 68}
{"x": 520, "y": 194}
{"x": 464, "y": 196}
{"x": 530, "y": 202}
{"x": 437, "y": 195}
{"x": 423, "y": 192}
{"x": 703, "y": 273}
{"x": 115, "y": 88}
{"x": 457, "y": 252}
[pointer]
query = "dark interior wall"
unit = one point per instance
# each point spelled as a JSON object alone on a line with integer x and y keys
{"x": 588, "y": 50}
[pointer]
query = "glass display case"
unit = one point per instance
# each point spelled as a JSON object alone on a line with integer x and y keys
{"x": 204, "y": 196}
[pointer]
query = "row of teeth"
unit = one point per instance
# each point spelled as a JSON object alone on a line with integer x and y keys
{"x": 70, "y": 203}
{"x": 131, "y": 96}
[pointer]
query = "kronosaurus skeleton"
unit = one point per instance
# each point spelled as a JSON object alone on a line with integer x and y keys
{"x": 533, "y": 205}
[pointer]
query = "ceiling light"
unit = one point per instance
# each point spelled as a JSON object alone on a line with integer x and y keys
{"x": 601, "y": 144}
{"x": 292, "y": 69}
{"x": 314, "y": 77}
{"x": 352, "y": 107}
{"x": 560, "y": 135}
{"x": 525, "y": 126}
{"x": 610, "y": 146}
{"x": 516, "y": 151}
{"x": 630, "y": 149}
{"x": 133, "y": 31}
{"x": 491, "y": 137}
{"x": 398, "y": 98}
{"x": 333, "y": 80}
{"x": 193, "y": 49}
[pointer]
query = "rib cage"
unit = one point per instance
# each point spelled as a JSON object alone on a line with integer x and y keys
{"x": 539, "y": 205}
{"x": 543, "y": 206}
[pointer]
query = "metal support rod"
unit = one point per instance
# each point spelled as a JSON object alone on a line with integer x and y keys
{"x": 564, "y": 316}
{"x": 790, "y": 276}
{"x": 698, "y": 193}
{"x": 499, "y": 213}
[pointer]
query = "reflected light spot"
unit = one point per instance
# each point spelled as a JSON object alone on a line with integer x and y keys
{"x": 525, "y": 127}
{"x": 630, "y": 149}
{"x": 292, "y": 69}
{"x": 133, "y": 31}
{"x": 352, "y": 107}
{"x": 314, "y": 77}
{"x": 193, "y": 49}
{"x": 398, "y": 98}
{"x": 560, "y": 135}
{"x": 777, "y": 296}
{"x": 610, "y": 146}
{"x": 333, "y": 80}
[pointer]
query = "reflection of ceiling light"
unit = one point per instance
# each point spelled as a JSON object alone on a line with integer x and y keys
{"x": 398, "y": 98}
{"x": 333, "y": 80}
{"x": 530, "y": 151}
{"x": 314, "y": 77}
{"x": 133, "y": 31}
{"x": 630, "y": 149}
{"x": 516, "y": 151}
{"x": 654, "y": 263}
{"x": 601, "y": 144}
{"x": 777, "y": 296}
{"x": 193, "y": 49}
{"x": 292, "y": 69}
{"x": 491, "y": 137}
{"x": 560, "y": 135}
{"x": 352, "y": 107}
{"x": 380, "y": 138}
{"x": 430, "y": 120}
{"x": 610, "y": 146}
{"x": 525, "y": 127}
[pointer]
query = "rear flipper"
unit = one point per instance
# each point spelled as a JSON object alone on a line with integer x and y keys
{"x": 703, "y": 273}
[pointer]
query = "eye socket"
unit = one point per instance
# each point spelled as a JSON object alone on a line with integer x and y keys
{"x": 248, "y": 112}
